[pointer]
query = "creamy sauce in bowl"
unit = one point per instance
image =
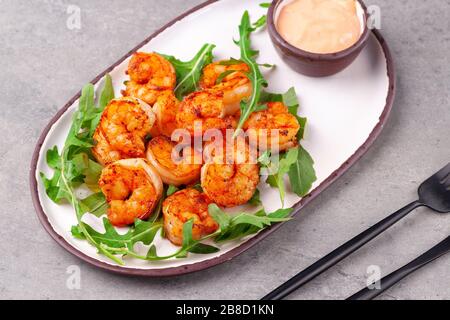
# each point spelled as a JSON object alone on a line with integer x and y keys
{"x": 320, "y": 26}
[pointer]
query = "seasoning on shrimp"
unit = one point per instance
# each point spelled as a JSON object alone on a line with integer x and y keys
{"x": 121, "y": 133}
{"x": 132, "y": 188}
{"x": 150, "y": 76}
{"x": 183, "y": 206}
{"x": 165, "y": 109}
{"x": 231, "y": 80}
{"x": 230, "y": 176}
{"x": 203, "y": 110}
{"x": 103, "y": 151}
{"x": 275, "y": 125}
{"x": 176, "y": 167}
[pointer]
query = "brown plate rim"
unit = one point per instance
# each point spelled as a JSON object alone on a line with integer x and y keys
{"x": 174, "y": 271}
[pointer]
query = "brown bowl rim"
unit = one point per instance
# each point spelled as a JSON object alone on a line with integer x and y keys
{"x": 280, "y": 41}
{"x": 199, "y": 266}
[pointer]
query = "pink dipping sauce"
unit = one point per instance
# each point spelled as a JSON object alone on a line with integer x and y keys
{"x": 320, "y": 26}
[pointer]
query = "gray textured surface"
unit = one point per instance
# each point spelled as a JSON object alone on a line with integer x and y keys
{"x": 43, "y": 64}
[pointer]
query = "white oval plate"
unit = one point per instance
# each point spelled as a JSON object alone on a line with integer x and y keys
{"x": 345, "y": 112}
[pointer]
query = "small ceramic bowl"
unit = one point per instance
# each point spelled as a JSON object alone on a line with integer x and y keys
{"x": 315, "y": 64}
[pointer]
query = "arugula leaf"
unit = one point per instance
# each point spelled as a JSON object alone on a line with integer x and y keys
{"x": 302, "y": 174}
{"x": 197, "y": 187}
{"x": 288, "y": 98}
{"x": 201, "y": 248}
{"x": 261, "y": 22}
{"x": 188, "y": 240}
{"x": 189, "y": 72}
{"x": 264, "y": 159}
{"x": 244, "y": 224}
{"x": 297, "y": 163}
{"x": 171, "y": 190}
{"x": 256, "y": 199}
{"x": 188, "y": 245}
{"x": 265, "y": 4}
{"x": 142, "y": 231}
{"x": 223, "y": 75}
{"x": 95, "y": 204}
{"x": 106, "y": 96}
{"x": 69, "y": 171}
{"x": 248, "y": 55}
{"x": 107, "y": 93}
{"x": 267, "y": 65}
{"x": 230, "y": 62}
{"x": 88, "y": 169}
{"x": 53, "y": 159}
{"x": 276, "y": 180}
{"x": 222, "y": 219}
{"x": 156, "y": 214}
{"x": 55, "y": 191}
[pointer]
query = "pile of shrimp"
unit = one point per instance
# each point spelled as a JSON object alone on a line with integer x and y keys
{"x": 137, "y": 144}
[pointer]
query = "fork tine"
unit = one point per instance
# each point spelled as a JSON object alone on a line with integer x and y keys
{"x": 444, "y": 173}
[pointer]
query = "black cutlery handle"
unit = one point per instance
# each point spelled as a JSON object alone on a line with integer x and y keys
{"x": 339, "y": 254}
{"x": 388, "y": 281}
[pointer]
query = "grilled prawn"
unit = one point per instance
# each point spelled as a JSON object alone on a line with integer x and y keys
{"x": 150, "y": 76}
{"x": 203, "y": 110}
{"x": 229, "y": 79}
{"x": 230, "y": 175}
{"x": 176, "y": 167}
{"x": 121, "y": 133}
{"x": 132, "y": 188}
{"x": 165, "y": 109}
{"x": 275, "y": 125}
{"x": 183, "y": 206}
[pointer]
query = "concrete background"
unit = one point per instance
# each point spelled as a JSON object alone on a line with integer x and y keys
{"x": 43, "y": 64}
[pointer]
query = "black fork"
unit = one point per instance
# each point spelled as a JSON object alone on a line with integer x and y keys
{"x": 434, "y": 193}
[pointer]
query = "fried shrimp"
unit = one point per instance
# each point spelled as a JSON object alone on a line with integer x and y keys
{"x": 275, "y": 125}
{"x": 121, "y": 133}
{"x": 103, "y": 151}
{"x": 230, "y": 176}
{"x": 165, "y": 109}
{"x": 231, "y": 80}
{"x": 175, "y": 168}
{"x": 183, "y": 206}
{"x": 132, "y": 188}
{"x": 150, "y": 76}
{"x": 203, "y": 110}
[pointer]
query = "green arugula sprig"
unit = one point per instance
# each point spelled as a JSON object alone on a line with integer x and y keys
{"x": 248, "y": 55}
{"x": 296, "y": 162}
{"x": 189, "y": 72}
{"x": 142, "y": 231}
{"x": 95, "y": 204}
{"x": 230, "y": 228}
{"x": 302, "y": 174}
{"x": 74, "y": 164}
{"x": 244, "y": 224}
{"x": 277, "y": 170}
